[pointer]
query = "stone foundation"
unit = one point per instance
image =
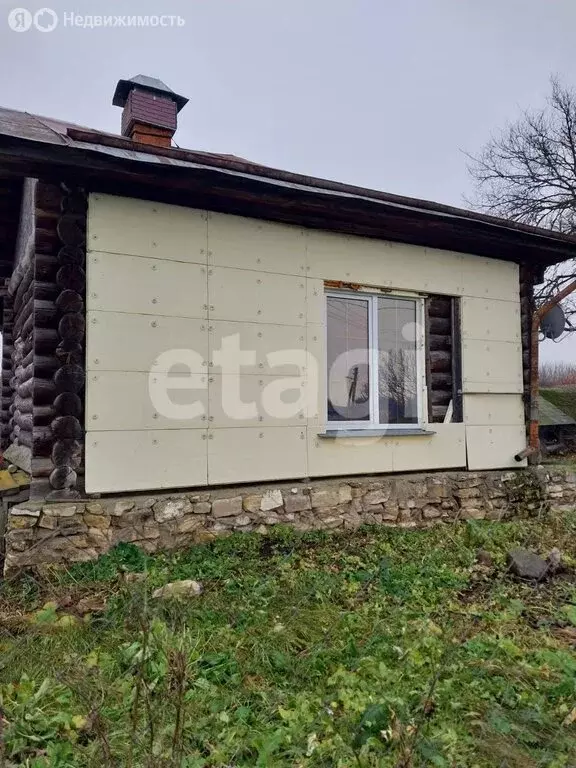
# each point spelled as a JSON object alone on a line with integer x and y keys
{"x": 38, "y": 533}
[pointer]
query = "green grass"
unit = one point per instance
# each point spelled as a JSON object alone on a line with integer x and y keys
{"x": 381, "y": 647}
{"x": 563, "y": 398}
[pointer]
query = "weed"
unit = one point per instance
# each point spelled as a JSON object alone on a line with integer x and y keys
{"x": 380, "y": 647}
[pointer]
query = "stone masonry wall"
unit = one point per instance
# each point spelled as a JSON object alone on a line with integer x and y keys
{"x": 39, "y": 533}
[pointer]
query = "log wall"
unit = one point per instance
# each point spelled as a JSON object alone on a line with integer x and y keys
{"x": 7, "y": 372}
{"x": 443, "y": 373}
{"x": 59, "y": 349}
{"x": 43, "y": 351}
{"x": 18, "y": 317}
{"x": 528, "y": 278}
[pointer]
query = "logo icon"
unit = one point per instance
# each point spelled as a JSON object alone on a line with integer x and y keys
{"x": 45, "y": 20}
{"x": 19, "y": 20}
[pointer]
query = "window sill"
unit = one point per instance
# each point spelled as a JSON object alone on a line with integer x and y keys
{"x": 337, "y": 433}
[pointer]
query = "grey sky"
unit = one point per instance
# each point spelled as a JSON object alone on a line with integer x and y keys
{"x": 378, "y": 93}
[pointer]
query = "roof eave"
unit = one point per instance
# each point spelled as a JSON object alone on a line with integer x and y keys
{"x": 293, "y": 199}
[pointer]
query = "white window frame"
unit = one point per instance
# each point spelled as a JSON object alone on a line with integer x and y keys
{"x": 371, "y": 297}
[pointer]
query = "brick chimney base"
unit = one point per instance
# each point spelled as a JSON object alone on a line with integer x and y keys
{"x": 147, "y": 134}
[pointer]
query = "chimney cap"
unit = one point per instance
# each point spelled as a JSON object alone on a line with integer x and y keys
{"x": 144, "y": 82}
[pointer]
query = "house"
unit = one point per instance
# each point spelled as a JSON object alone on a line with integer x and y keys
{"x": 176, "y": 319}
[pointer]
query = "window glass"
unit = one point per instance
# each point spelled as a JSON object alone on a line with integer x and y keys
{"x": 397, "y": 361}
{"x": 348, "y": 359}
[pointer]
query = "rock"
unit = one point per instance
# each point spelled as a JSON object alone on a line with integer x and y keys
{"x": 187, "y": 525}
{"x": 472, "y": 513}
{"x": 483, "y": 557}
{"x": 378, "y": 496}
{"x": 227, "y": 507}
{"x": 345, "y": 494}
{"x": 22, "y": 512}
{"x": 21, "y": 522}
{"x": 94, "y": 509}
{"x": 179, "y": 589}
{"x": 201, "y": 536}
{"x": 467, "y": 493}
{"x": 242, "y": 521}
{"x": 20, "y": 456}
{"x": 145, "y": 503}
{"x": 97, "y": 521}
{"x": 252, "y": 503}
{"x": 554, "y": 559}
{"x": 98, "y": 538}
{"x": 271, "y": 500}
{"x": 58, "y": 510}
{"x": 429, "y": 512}
{"x": 325, "y": 498}
{"x": 202, "y": 508}
{"x": 171, "y": 510}
{"x": 123, "y": 506}
{"x": 134, "y": 578}
{"x": 526, "y": 564}
{"x": 94, "y": 604}
{"x": 48, "y": 522}
{"x": 297, "y": 503}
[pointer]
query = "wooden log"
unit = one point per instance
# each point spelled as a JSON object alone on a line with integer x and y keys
{"x": 47, "y": 267}
{"x": 69, "y": 378}
{"x": 70, "y": 301}
{"x": 439, "y": 413}
{"x": 442, "y": 381}
{"x": 28, "y": 327}
{"x": 23, "y": 404}
{"x": 72, "y": 255}
{"x": 67, "y": 428}
{"x": 63, "y": 477}
{"x": 43, "y": 391}
{"x": 68, "y": 404}
{"x": 45, "y": 340}
{"x": 25, "y": 389}
{"x": 45, "y": 313}
{"x": 440, "y": 397}
{"x": 439, "y": 306}
{"x": 23, "y": 288}
{"x": 440, "y": 362}
{"x": 28, "y": 357}
{"x": 45, "y": 291}
{"x": 46, "y": 240}
{"x": 45, "y": 367}
{"x": 440, "y": 342}
{"x": 69, "y": 231}
{"x": 42, "y": 441}
{"x": 72, "y": 327}
{"x": 43, "y": 415}
{"x": 67, "y": 453}
{"x": 71, "y": 277}
{"x": 26, "y": 313}
{"x": 24, "y": 420}
{"x": 441, "y": 326}
{"x": 74, "y": 202}
{"x": 70, "y": 352}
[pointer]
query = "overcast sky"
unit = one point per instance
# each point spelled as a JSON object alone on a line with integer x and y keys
{"x": 373, "y": 92}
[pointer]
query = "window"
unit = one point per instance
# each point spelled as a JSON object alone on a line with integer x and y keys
{"x": 375, "y": 368}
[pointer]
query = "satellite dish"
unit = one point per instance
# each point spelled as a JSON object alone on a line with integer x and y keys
{"x": 553, "y": 323}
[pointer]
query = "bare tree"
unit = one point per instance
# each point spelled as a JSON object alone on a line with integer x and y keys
{"x": 527, "y": 173}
